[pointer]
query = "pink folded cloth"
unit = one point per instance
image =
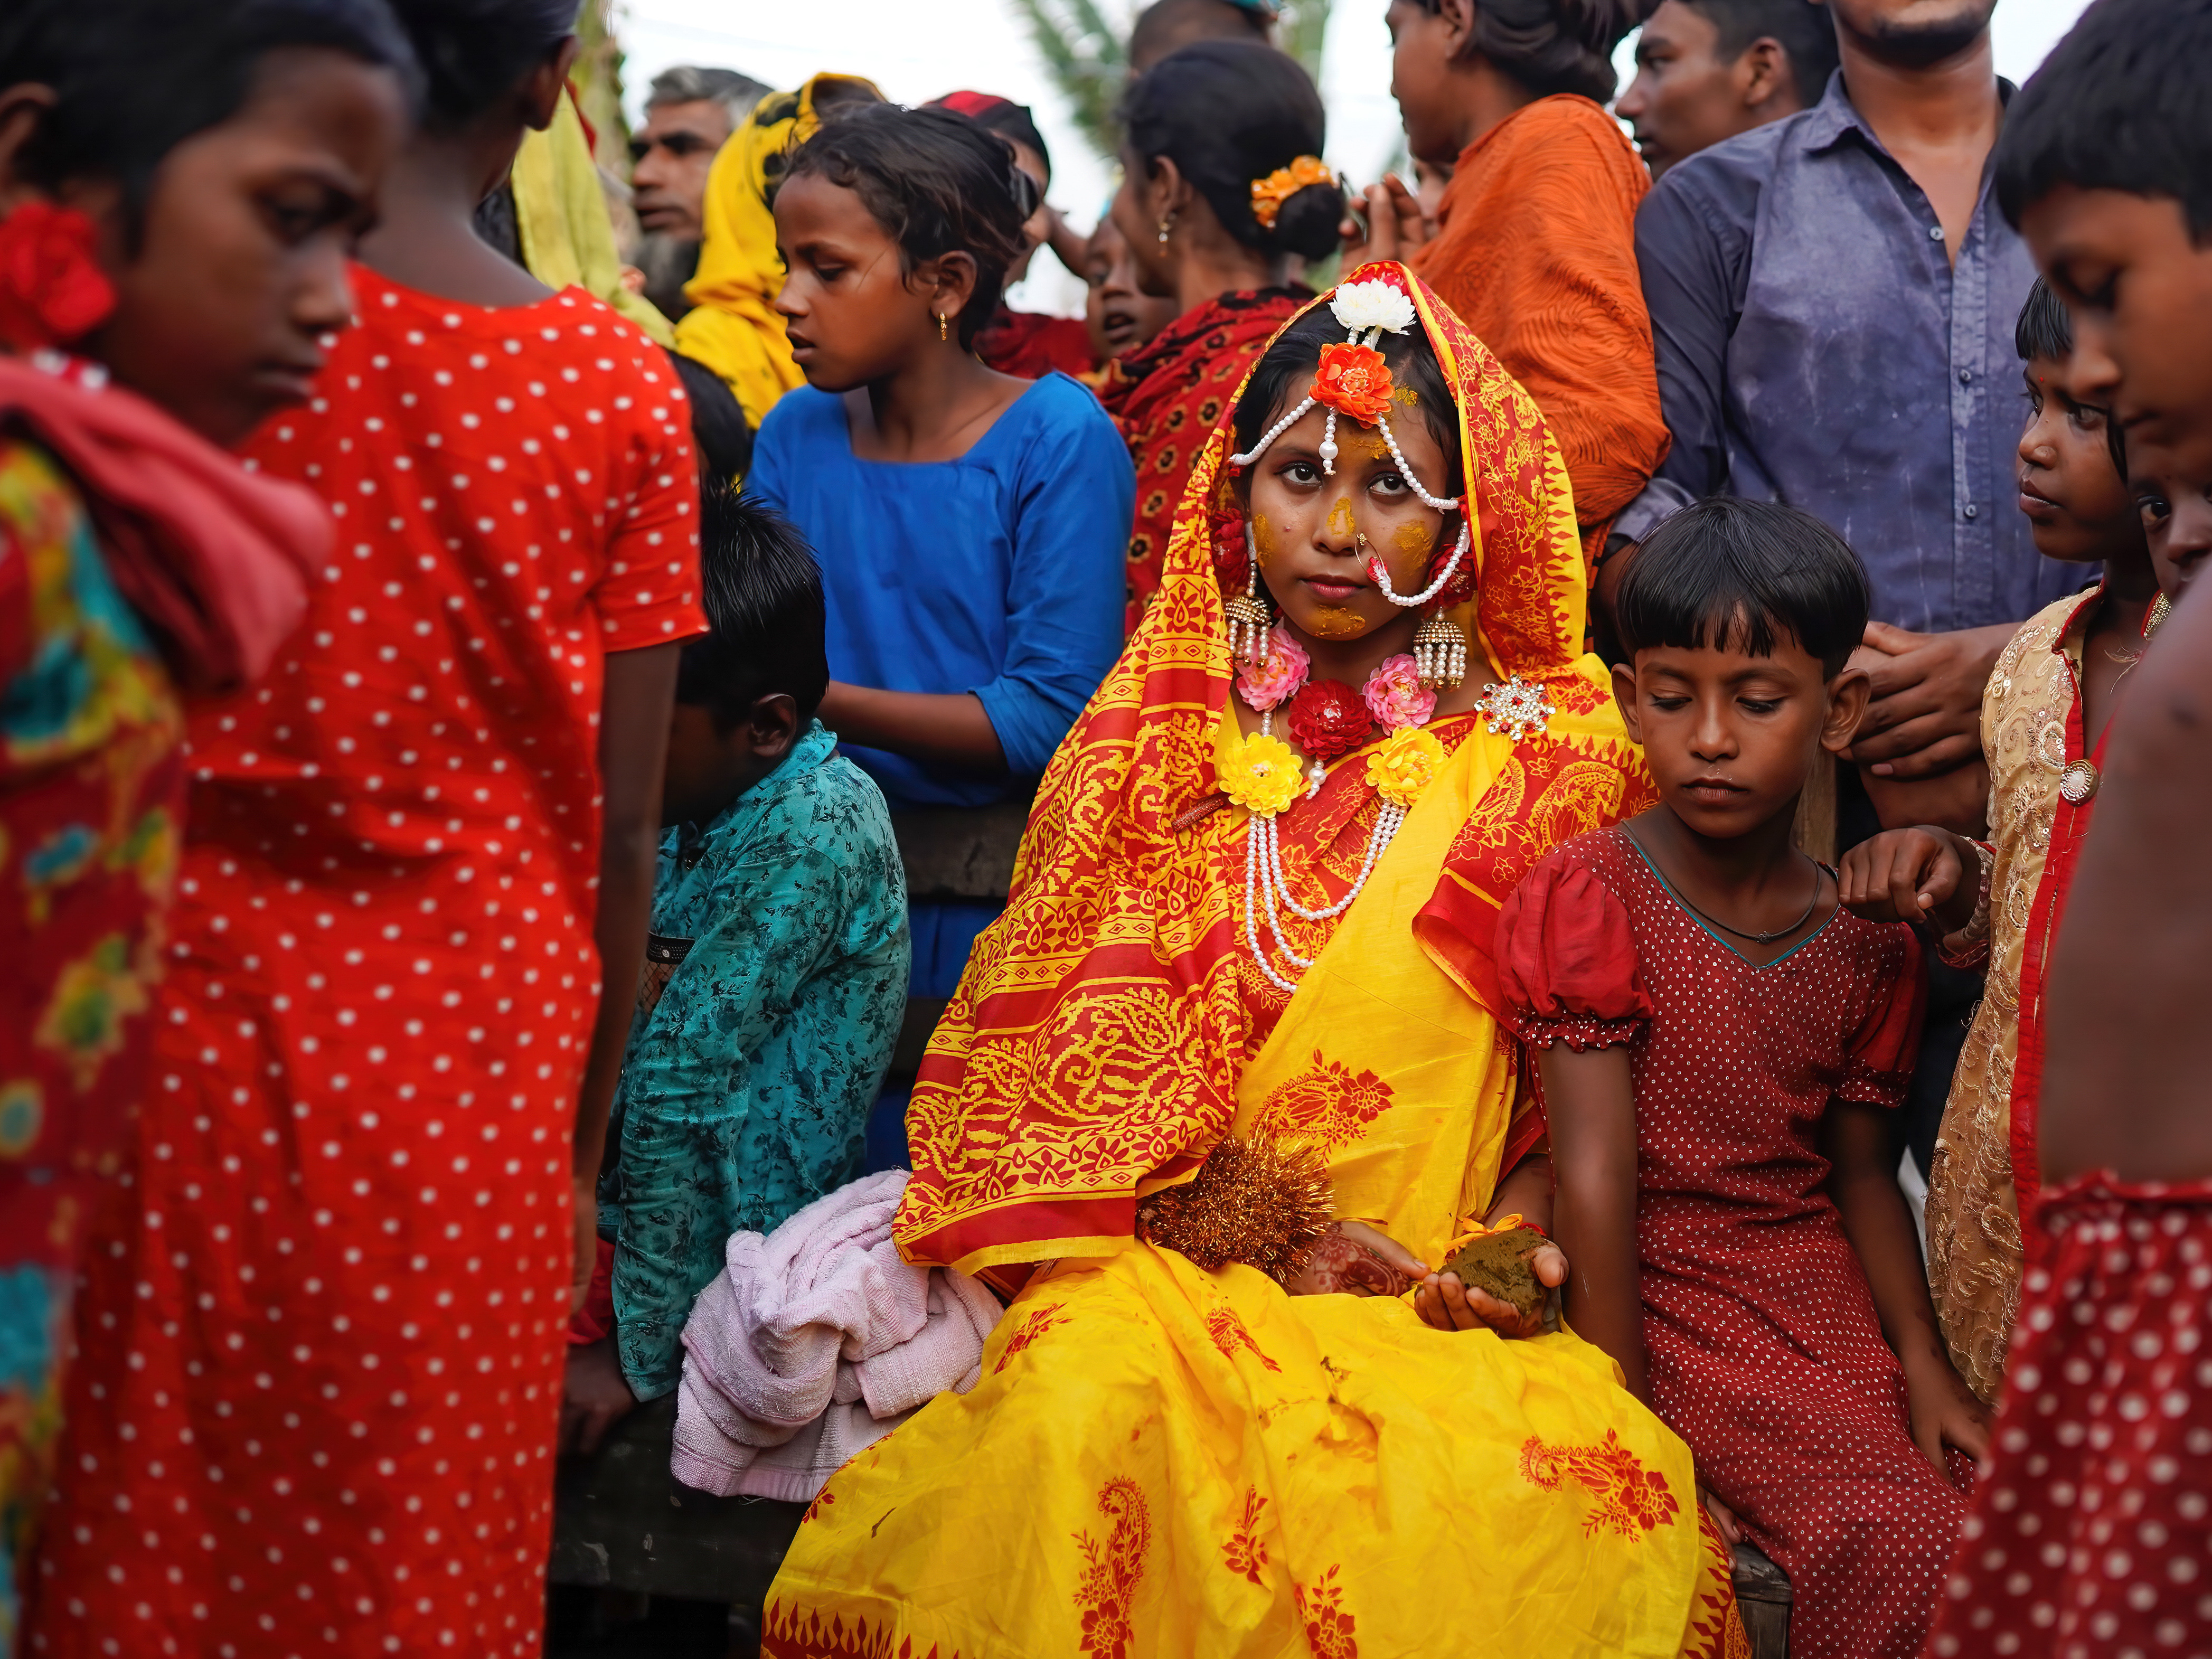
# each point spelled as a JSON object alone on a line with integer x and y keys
{"x": 814, "y": 1343}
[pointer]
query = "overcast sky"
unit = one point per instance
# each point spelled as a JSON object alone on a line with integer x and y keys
{"x": 919, "y": 52}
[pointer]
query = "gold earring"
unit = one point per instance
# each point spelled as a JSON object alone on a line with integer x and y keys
{"x": 940, "y": 325}
{"x": 1167, "y": 225}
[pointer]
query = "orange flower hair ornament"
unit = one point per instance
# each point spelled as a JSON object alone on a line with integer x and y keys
{"x": 1268, "y": 194}
{"x": 1352, "y": 380}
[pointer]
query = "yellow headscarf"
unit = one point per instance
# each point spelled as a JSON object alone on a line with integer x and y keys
{"x": 1094, "y": 1050}
{"x": 561, "y": 212}
{"x": 735, "y": 331}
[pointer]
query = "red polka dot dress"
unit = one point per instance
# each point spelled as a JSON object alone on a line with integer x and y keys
{"x": 2091, "y": 1533}
{"x": 321, "y": 1343}
{"x": 1766, "y": 1353}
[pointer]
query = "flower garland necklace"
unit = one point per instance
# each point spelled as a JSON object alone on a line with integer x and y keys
{"x": 1329, "y": 719}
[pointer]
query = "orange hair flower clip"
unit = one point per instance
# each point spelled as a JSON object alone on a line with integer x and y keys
{"x": 1268, "y": 194}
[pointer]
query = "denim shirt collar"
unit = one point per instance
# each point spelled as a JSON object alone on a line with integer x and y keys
{"x": 1828, "y": 122}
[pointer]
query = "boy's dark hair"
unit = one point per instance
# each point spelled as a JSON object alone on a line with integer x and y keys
{"x": 475, "y": 51}
{"x": 133, "y": 79}
{"x": 936, "y": 182}
{"x": 762, "y": 592}
{"x": 1726, "y": 574}
{"x": 1279, "y": 378}
{"x": 1010, "y": 120}
{"x": 718, "y": 431}
{"x": 1554, "y": 45}
{"x": 1227, "y": 113}
{"x": 2045, "y": 331}
{"x": 1803, "y": 27}
{"x": 2119, "y": 104}
{"x": 1167, "y": 27}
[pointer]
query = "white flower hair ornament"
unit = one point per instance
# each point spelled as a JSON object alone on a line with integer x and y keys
{"x": 1353, "y": 379}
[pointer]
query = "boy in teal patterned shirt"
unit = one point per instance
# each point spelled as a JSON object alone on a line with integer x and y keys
{"x": 776, "y": 973}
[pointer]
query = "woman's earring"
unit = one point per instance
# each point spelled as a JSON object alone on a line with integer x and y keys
{"x": 940, "y": 326}
{"x": 1167, "y": 225}
{"x": 1249, "y": 619}
{"x": 1440, "y": 652}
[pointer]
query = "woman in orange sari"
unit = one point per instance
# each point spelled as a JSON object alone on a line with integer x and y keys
{"x": 1226, "y": 954}
{"x": 1535, "y": 239}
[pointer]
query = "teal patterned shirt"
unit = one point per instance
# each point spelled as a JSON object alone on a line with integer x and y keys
{"x": 775, "y": 980}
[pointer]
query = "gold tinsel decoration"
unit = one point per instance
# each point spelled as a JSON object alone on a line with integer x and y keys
{"x": 1255, "y": 1201}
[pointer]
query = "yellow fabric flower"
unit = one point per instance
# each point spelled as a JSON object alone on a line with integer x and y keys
{"x": 1404, "y": 766}
{"x": 1262, "y": 774}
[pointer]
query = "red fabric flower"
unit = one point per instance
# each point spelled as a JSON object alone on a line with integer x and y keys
{"x": 1328, "y": 719}
{"x": 1354, "y": 380}
{"x": 52, "y": 290}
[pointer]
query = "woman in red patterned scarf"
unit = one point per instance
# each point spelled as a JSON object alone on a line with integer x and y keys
{"x": 1223, "y": 184}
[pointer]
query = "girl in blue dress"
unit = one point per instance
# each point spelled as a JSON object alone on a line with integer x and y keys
{"x": 971, "y": 526}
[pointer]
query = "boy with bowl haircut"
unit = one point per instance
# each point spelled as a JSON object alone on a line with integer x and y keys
{"x": 1720, "y": 1048}
{"x": 775, "y": 972}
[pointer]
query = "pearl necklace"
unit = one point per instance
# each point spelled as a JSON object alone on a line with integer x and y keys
{"x": 1266, "y": 883}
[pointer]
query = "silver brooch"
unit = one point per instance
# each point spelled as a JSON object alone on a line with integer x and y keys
{"x": 1516, "y": 708}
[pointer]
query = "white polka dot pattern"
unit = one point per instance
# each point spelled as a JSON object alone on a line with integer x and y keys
{"x": 1765, "y": 1349}
{"x": 2091, "y": 1533}
{"x": 321, "y": 1349}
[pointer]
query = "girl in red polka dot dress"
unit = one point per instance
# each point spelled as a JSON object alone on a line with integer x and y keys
{"x": 322, "y": 1347}
{"x": 1719, "y": 1046}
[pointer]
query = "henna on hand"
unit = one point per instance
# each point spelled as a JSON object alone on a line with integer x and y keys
{"x": 1339, "y": 1265}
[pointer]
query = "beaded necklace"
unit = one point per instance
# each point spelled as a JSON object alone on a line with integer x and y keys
{"x": 1329, "y": 720}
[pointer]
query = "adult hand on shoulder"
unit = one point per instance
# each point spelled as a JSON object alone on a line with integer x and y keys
{"x": 1913, "y": 875}
{"x": 1925, "y": 714}
{"x": 595, "y": 1395}
{"x": 1445, "y": 1303}
{"x": 1957, "y": 800}
{"x": 1942, "y": 1410}
{"x": 1353, "y": 1258}
{"x": 1394, "y": 227}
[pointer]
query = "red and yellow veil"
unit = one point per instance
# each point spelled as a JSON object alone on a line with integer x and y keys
{"x": 1095, "y": 1050}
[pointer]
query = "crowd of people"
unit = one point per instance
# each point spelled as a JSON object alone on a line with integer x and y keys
{"x": 1602, "y": 740}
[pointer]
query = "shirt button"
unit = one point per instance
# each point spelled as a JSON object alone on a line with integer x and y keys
{"x": 1972, "y": 510}
{"x": 1966, "y": 377}
{"x": 1934, "y": 233}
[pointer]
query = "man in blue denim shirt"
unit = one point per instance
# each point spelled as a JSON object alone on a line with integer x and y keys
{"x": 1832, "y": 299}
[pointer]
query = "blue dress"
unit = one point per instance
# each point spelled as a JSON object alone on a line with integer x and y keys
{"x": 999, "y": 573}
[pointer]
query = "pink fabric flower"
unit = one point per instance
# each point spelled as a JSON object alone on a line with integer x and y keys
{"x": 1276, "y": 679}
{"x": 1395, "y": 697}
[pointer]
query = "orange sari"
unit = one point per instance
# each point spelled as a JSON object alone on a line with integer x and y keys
{"x": 1536, "y": 251}
{"x": 1159, "y": 1461}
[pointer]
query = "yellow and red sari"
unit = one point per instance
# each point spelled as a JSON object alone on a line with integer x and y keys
{"x": 1164, "y": 1461}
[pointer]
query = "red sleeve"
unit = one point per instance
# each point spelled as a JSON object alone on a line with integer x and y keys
{"x": 1878, "y": 1066}
{"x": 650, "y": 594}
{"x": 1566, "y": 962}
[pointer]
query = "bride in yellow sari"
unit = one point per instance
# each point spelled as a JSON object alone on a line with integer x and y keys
{"x": 1254, "y": 908}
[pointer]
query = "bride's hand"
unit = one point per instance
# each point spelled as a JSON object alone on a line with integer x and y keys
{"x": 1353, "y": 1259}
{"x": 1443, "y": 1301}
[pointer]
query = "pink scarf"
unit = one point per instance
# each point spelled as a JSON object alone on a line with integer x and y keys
{"x": 215, "y": 559}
